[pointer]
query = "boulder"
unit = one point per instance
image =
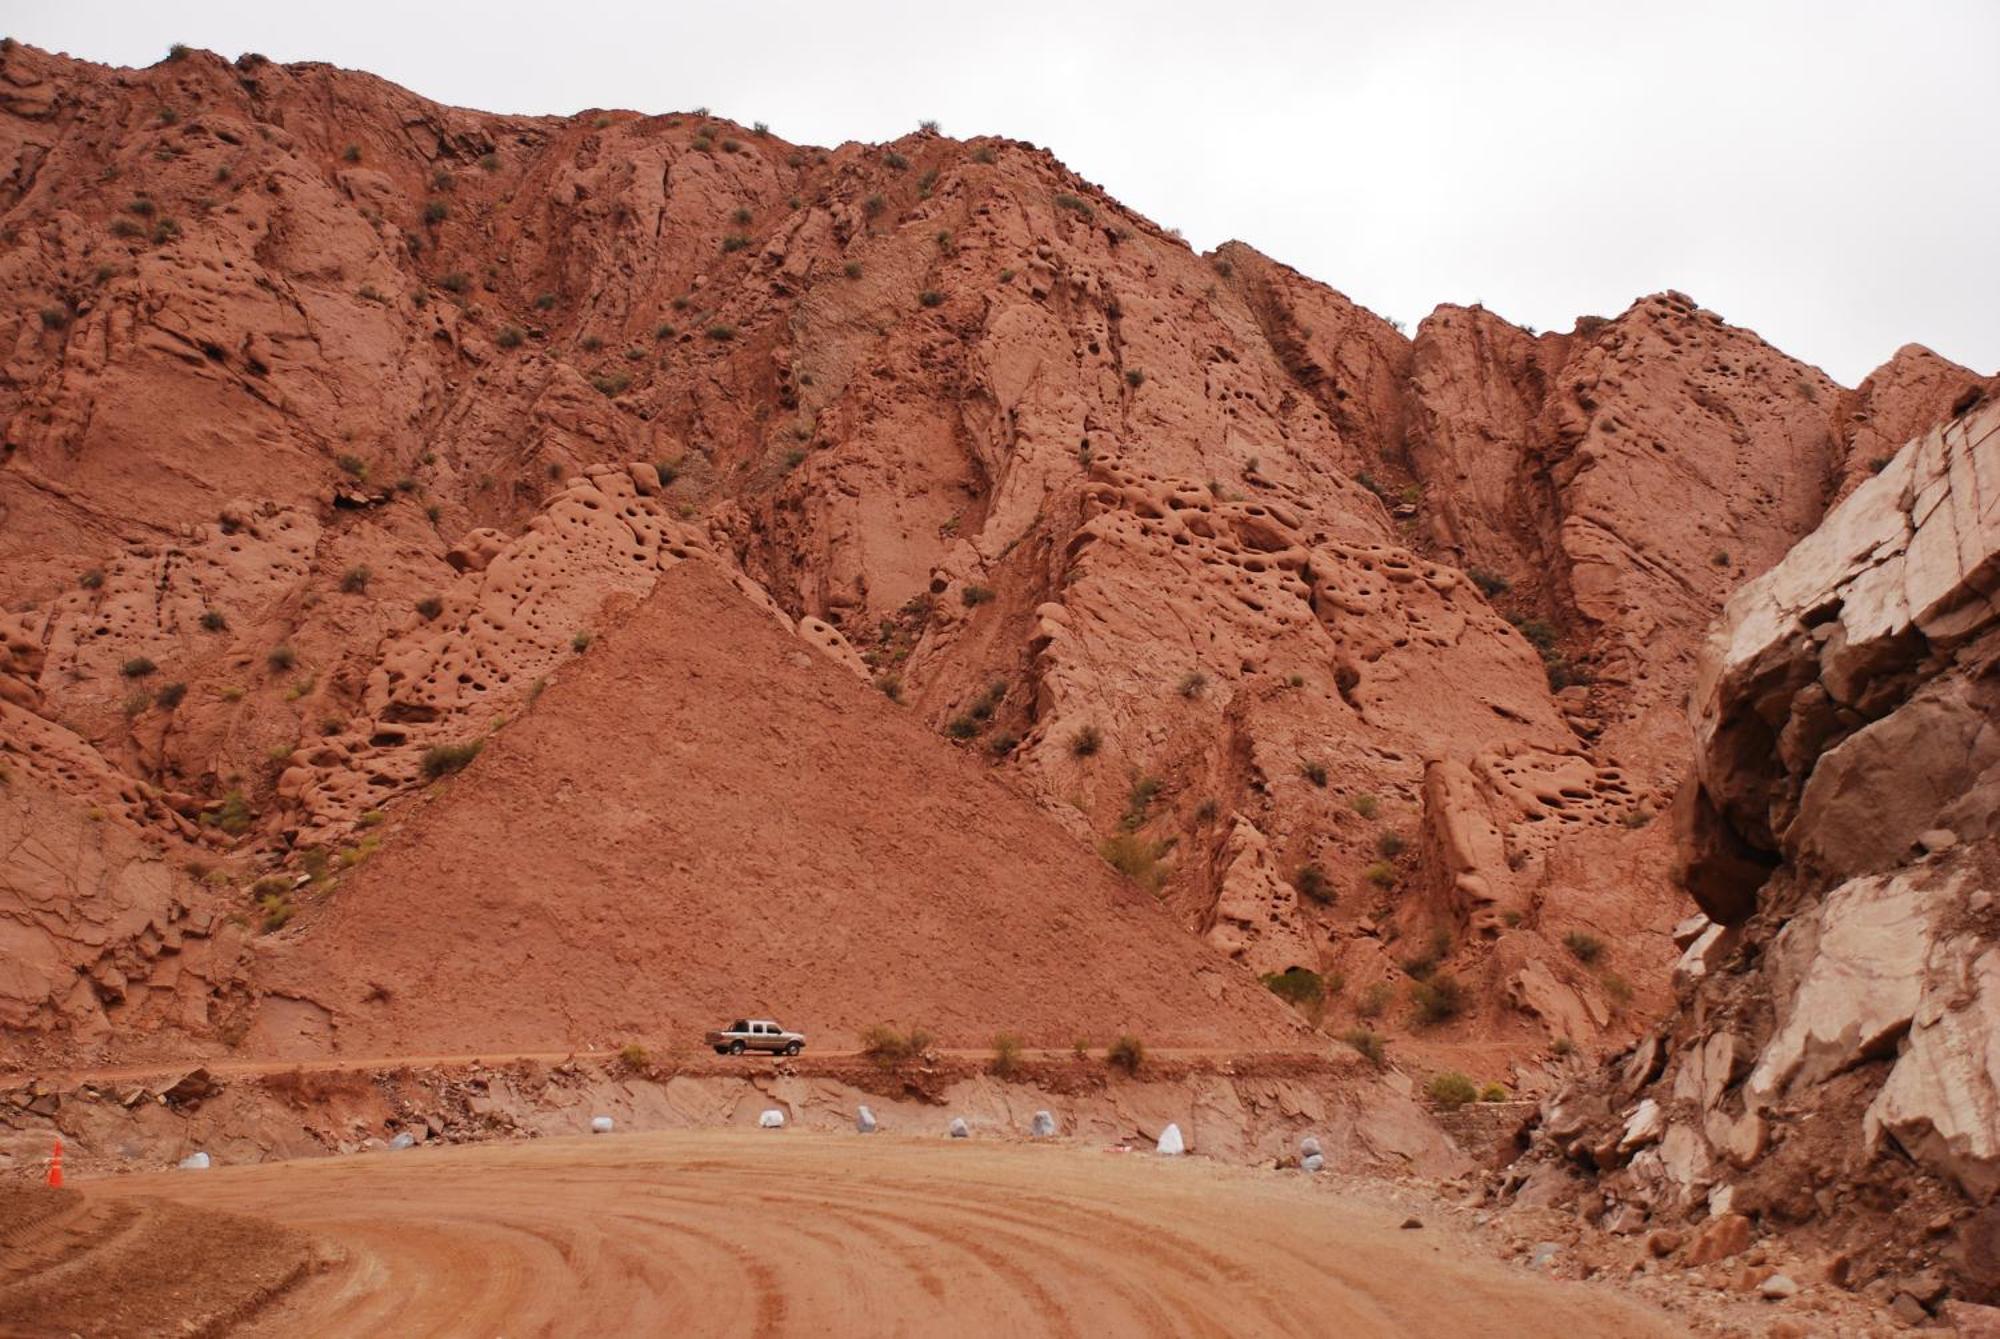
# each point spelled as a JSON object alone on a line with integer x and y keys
{"x": 403, "y": 1141}
{"x": 1720, "y": 1238}
{"x": 1859, "y": 965}
{"x": 1941, "y": 1103}
{"x": 1970, "y": 1320}
{"x": 1644, "y": 1126}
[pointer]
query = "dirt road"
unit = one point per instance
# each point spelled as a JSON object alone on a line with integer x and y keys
{"x": 782, "y": 1233}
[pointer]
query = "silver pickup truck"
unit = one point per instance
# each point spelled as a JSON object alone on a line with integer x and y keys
{"x": 756, "y": 1034}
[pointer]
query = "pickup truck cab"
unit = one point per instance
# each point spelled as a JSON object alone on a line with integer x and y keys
{"x": 756, "y": 1034}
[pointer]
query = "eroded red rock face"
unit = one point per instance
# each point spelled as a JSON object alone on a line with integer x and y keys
{"x": 337, "y": 424}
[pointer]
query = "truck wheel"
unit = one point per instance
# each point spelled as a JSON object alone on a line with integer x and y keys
{"x": 722, "y": 1050}
{"x": 793, "y": 1048}
{"x": 736, "y": 1048}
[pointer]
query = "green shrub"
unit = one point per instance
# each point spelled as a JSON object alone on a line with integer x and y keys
{"x": 1438, "y": 999}
{"x": 233, "y": 814}
{"x": 581, "y": 642}
{"x": 734, "y": 242}
{"x": 91, "y": 580}
{"x": 436, "y": 212}
{"x": 1584, "y": 947}
{"x": 874, "y": 205}
{"x": 930, "y": 297}
{"x": 722, "y": 334}
{"x": 1138, "y": 801}
{"x": 352, "y": 465}
{"x": 1134, "y": 378}
{"x": 1296, "y": 985}
{"x": 975, "y": 595}
{"x": 1006, "y": 1054}
{"x": 852, "y": 269}
{"x": 1382, "y": 874}
{"x": 212, "y": 620}
{"x": 1617, "y": 987}
{"x": 355, "y": 580}
{"x": 1490, "y": 583}
{"x": 430, "y": 606}
{"x": 1192, "y": 684}
{"x": 1370, "y": 1044}
{"x": 351, "y": 154}
{"x": 1076, "y": 204}
{"x": 1451, "y": 1090}
{"x": 544, "y": 301}
{"x": 1312, "y": 884}
{"x": 455, "y": 282}
{"x": 886, "y": 1046}
{"x": 170, "y": 697}
{"x": 1127, "y": 1053}
{"x": 510, "y": 337}
{"x": 962, "y": 727}
{"x": 1366, "y": 805}
{"x": 1003, "y": 744}
{"x": 1493, "y": 1092}
{"x": 1389, "y": 845}
{"x": 612, "y": 383}
{"x": 442, "y": 760}
{"x": 1374, "y": 1000}
{"x": 1314, "y": 772}
{"x": 632, "y": 1055}
{"x": 138, "y": 667}
{"x": 1086, "y": 742}
{"x": 1136, "y": 857}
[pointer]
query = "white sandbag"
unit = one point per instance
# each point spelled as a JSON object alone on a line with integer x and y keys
{"x": 194, "y": 1162}
{"x": 1171, "y": 1143}
{"x": 1043, "y": 1127}
{"x": 600, "y": 1125}
{"x": 959, "y": 1130}
{"x": 1309, "y": 1147}
{"x": 864, "y": 1121}
{"x": 773, "y": 1119}
{"x": 403, "y": 1140}
{"x": 1312, "y": 1162}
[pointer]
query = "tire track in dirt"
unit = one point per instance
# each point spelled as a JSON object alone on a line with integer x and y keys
{"x": 756, "y": 1235}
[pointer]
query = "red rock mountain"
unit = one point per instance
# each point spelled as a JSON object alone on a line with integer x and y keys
{"x": 338, "y": 423}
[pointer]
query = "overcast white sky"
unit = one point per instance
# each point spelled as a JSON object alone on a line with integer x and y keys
{"x": 1822, "y": 172}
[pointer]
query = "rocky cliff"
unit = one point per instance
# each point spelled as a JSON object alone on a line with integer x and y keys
{"x": 337, "y": 423}
{"x": 1834, "y": 1056}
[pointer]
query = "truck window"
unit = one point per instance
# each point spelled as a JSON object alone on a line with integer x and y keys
{"x": 739, "y": 1026}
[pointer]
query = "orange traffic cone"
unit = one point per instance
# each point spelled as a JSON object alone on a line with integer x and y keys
{"x": 55, "y": 1166}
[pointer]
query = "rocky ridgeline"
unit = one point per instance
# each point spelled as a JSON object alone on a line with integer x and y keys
{"x": 336, "y": 421}
{"x": 1833, "y": 1066}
